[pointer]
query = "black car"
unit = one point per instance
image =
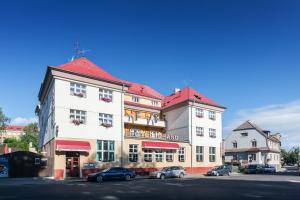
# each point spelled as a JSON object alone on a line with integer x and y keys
{"x": 113, "y": 173}
{"x": 254, "y": 169}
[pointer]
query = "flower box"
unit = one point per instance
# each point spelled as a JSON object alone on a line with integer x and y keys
{"x": 106, "y": 125}
{"x": 77, "y": 122}
{"x": 199, "y": 116}
{"x": 106, "y": 99}
{"x": 78, "y": 94}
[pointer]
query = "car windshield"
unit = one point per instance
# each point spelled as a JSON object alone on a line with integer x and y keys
{"x": 106, "y": 170}
{"x": 218, "y": 167}
{"x": 165, "y": 169}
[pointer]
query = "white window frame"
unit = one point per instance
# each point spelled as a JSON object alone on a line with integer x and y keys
{"x": 155, "y": 103}
{"x": 105, "y": 119}
{"x": 181, "y": 154}
{"x": 135, "y": 99}
{"x": 77, "y": 116}
{"x": 102, "y": 151}
{"x": 78, "y": 89}
{"x": 199, "y": 153}
{"x": 159, "y": 155}
{"x": 105, "y": 95}
{"x": 148, "y": 155}
{"x": 133, "y": 155}
{"x": 199, "y": 112}
{"x": 212, "y": 115}
{"x": 199, "y": 131}
{"x": 169, "y": 155}
{"x": 212, "y": 132}
{"x": 212, "y": 154}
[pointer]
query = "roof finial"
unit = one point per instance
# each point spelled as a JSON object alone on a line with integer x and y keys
{"x": 78, "y": 51}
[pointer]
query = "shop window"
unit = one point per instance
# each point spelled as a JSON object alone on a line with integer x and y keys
{"x": 169, "y": 155}
{"x": 199, "y": 153}
{"x": 181, "y": 154}
{"x": 212, "y": 154}
{"x": 158, "y": 155}
{"x": 77, "y": 89}
{"x": 105, "y": 150}
{"x": 147, "y": 155}
{"x": 133, "y": 153}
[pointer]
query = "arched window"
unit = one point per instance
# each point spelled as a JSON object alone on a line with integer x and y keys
{"x": 234, "y": 144}
{"x": 254, "y": 143}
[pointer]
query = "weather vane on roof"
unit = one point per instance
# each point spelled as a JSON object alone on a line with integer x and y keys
{"x": 78, "y": 51}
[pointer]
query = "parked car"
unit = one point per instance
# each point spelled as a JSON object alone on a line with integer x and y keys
{"x": 220, "y": 171}
{"x": 269, "y": 169}
{"x": 112, "y": 173}
{"x": 254, "y": 169}
{"x": 169, "y": 172}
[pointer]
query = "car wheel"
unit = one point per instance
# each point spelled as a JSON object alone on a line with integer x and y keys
{"x": 127, "y": 178}
{"x": 217, "y": 174}
{"x": 162, "y": 177}
{"x": 181, "y": 175}
{"x": 99, "y": 179}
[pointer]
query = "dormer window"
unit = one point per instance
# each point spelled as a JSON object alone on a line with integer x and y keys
{"x": 244, "y": 134}
{"x": 212, "y": 115}
{"x": 135, "y": 99}
{"x": 77, "y": 89}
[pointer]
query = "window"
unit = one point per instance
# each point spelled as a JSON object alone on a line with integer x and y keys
{"x": 78, "y": 116}
{"x": 181, "y": 154}
{"x": 133, "y": 153}
{"x": 77, "y": 89}
{"x": 134, "y": 132}
{"x": 199, "y": 131}
{"x": 105, "y": 119}
{"x": 105, "y": 150}
{"x": 136, "y": 99}
{"x": 253, "y": 157}
{"x": 147, "y": 155}
{"x": 212, "y": 132}
{"x": 234, "y": 144}
{"x": 199, "y": 113}
{"x": 212, "y": 154}
{"x": 169, "y": 155}
{"x": 199, "y": 153}
{"x": 212, "y": 115}
{"x": 154, "y": 103}
{"x": 158, "y": 155}
{"x": 244, "y": 134}
{"x": 105, "y": 95}
{"x": 254, "y": 143}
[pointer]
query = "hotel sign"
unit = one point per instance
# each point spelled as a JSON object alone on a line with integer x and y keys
{"x": 137, "y": 133}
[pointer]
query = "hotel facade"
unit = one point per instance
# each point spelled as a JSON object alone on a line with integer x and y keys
{"x": 89, "y": 119}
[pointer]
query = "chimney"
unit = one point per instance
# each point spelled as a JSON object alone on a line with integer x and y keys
{"x": 176, "y": 90}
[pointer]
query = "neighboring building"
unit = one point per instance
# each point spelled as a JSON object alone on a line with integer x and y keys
{"x": 12, "y": 131}
{"x": 249, "y": 144}
{"x": 87, "y": 115}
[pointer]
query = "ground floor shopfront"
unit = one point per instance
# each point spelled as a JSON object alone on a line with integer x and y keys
{"x": 76, "y": 158}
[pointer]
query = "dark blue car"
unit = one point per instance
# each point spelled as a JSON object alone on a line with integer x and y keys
{"x": 113, "y": 173}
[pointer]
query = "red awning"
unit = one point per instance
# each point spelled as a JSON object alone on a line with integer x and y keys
{"x": 71, "y": 145}
{"x": 160, "y": 145}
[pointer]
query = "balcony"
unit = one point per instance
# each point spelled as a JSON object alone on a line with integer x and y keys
{"x": 145, "y": 122}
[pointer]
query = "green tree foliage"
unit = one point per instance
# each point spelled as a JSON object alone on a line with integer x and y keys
{"x": 3, "y": 122}
{"x": 291, "y": 156}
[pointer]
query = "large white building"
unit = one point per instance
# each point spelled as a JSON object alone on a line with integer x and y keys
{"x": 249, "y": 144}
{"x": 88, "y": 116}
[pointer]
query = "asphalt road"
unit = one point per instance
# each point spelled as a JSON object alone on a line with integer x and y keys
{"x": 234, "y": 187}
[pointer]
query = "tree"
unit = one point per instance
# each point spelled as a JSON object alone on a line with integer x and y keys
{"x": 3, "y": 122}
{"x": 31, "y": 136}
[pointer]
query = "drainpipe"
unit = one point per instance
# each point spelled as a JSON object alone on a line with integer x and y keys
{"x": 122, "y": 124}
{"x": 192, "y": 136}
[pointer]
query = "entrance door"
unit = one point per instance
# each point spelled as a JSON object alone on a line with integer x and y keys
{"x": 72, "y": 166}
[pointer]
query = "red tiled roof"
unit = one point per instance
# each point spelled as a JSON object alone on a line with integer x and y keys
{"x": 14, "y": 128}
{"x": 143, "y": 90}
{"x": 186, "y": 94}
{"x": 86, "y": 67}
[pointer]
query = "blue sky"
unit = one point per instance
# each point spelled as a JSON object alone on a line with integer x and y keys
{"x": 243, "y": 54}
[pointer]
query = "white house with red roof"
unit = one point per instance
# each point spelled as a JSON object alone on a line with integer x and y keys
{"x": 12, "y": 131}
{"x": 89, "y": 117}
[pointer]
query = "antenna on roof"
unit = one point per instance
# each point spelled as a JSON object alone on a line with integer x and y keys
{"x": 78, "y": 51}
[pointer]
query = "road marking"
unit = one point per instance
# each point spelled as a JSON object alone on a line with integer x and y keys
{"x": 175, "y": 184}
{"x": 252, "y": 195}
{"x": 110, "y": 198}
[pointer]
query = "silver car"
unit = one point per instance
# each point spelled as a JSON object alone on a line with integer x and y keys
{"x": 169, "y": 172}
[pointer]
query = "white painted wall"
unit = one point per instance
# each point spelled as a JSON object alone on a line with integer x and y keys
{"x": 93, "y": 106}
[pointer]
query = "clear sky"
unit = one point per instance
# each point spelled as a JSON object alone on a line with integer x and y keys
{"x": 243, "y": 54}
